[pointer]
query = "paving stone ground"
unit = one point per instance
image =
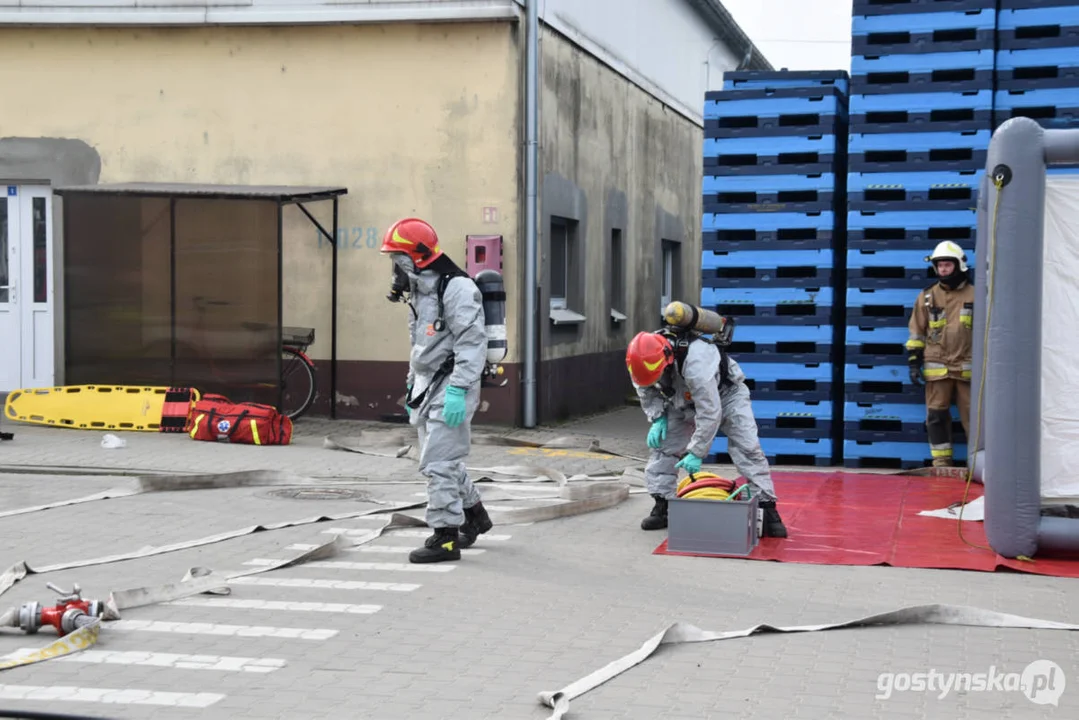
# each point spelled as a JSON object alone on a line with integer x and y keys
{"x": 533, "y": 608}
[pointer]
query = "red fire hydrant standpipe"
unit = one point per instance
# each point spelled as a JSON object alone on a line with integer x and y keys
{"x": 70, "y": 613}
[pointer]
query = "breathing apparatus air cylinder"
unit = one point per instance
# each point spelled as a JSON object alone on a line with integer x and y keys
{"x": 493, "y": 292}
{"x": 691, "y": 317}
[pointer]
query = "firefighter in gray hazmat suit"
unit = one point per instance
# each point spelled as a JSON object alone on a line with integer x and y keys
{"x": 449, "y": 348}
{"x": 688, "y": 401}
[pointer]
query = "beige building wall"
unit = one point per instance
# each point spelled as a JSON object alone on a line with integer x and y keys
{"x": 413, "y": 119}
{"x": 611, "y": 157}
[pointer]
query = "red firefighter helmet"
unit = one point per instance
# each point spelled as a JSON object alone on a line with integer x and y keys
{"x": 414, "y": 237}
{"x": 647, "y": 357}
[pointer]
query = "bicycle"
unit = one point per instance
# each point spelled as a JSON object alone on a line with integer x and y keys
{"x": 298, "y": 377}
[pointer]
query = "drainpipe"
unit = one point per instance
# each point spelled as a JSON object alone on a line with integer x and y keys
{"x": 531, "y": 208}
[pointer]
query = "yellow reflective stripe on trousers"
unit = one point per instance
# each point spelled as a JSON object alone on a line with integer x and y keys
{"x": 255, "y": 432}
{"x": 195, "y": 425}
{"x": 940, "y": 450}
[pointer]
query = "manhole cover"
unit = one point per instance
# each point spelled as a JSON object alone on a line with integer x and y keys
{"x": 317, "y": 493}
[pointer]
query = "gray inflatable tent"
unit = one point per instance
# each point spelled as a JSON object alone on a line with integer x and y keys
{"x": 1027, "y": 411}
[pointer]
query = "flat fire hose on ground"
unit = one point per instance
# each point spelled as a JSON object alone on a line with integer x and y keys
{"x": 198, "y": 580}
{"x": 678, "y": 633}
{"x": 577, "y": 498}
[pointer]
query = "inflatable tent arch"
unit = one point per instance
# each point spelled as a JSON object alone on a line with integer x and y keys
{"x": 1027, "y": 269}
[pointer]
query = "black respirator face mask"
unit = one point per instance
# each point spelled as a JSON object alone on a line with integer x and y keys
{"x": 400, "y": 283}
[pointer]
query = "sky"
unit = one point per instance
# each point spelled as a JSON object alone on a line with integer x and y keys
{"x": 797, "y": 34}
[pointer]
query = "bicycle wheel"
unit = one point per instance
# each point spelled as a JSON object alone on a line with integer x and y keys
{"x": 297, "y": 384}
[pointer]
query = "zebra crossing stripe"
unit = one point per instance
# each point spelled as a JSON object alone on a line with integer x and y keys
{"x": 111, "y": 696}
{"x": 383, "y": 549}
{"x": 177, "y": 661}
{"x": 374, "y": 566}
{"x": 349, "y": 532}
{"x": 320, "y": 584}
{"x": 251, "y": 604}
{"x": 185, "y": 628}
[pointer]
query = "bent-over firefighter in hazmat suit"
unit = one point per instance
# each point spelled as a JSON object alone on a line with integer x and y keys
{"x": 941, "y": 347}
{"x": 449, "y": 350}
{"x": 687, "y": 406}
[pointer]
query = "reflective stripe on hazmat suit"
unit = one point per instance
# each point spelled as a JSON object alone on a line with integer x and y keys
{"x": 696, "y": 411}
{"x": 443, "y": 449}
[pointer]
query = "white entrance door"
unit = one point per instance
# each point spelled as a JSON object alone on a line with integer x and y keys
{"x": 26, "y": 291}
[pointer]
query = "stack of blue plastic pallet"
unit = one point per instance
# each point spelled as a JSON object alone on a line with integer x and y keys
{"x": 773, "y": 224}
{"x": 921, "y": 120}
{"x": 1037, "y": 63}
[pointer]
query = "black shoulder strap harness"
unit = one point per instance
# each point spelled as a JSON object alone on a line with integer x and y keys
{"x": 443, "y": 283}
{"x": 680, "y": 340}
{"x": 439, "y": 325}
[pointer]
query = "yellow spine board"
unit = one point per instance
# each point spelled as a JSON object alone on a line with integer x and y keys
{"x": 89, "y": 407}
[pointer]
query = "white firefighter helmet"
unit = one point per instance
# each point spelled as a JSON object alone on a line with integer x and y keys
{"x": 948, "y": 250}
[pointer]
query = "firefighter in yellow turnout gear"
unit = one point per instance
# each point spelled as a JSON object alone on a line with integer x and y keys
{"x": 940, "y": 347}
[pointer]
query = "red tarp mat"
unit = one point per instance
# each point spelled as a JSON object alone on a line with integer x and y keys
{"x": 870, "y": 519}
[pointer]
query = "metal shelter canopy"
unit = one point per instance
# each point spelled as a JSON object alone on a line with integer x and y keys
{"x": 280, "y": 194}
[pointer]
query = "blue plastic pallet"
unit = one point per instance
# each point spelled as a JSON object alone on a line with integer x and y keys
{"x": 918, "y": 152}
{"x": 1036, "y": 69}
{"x": 768, "y": 344}
{"x": 815, "y": 452}
{"x": 1053, "y": 107}
{"x": 761, "y": 268}
{"x": 782, "y": 155}
{"x": 882, "y": 192}
{"x": 921, "y": 112}
{"x": 1042, "y": 27}
{"x": 772, "y": 306}
{"x": 1030, "y": 4}
{"x": 770, "y": 112}
{"x": 884, "y": 269}
{"x": 879, "y": 308}
{"x": 884, "y": 422}
{"x": 769, "y": 193}
{"x": 897, "y": 455}
{"x": 766, "y": 231}
{"x": 879, "y": 384}
{"x": 923, "y": 32}
{"x": 876, "y": 345}
{"x": 767, "y": 296}
{"x": 909, "y": 7}
{"x": 787, "y": 382}
{"x": 910, "y": 230}
{"x": 771, "y": 409}
{"x": 909, "y": 433}
{"x": 743, "y": 79}
{"x": 925, "y": 72}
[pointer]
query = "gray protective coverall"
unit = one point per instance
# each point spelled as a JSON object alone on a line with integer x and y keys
{"x": 443, "y": 449}
{"x": 697, "y": 410}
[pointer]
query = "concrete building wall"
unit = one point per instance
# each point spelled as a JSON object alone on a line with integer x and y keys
{"x": 415, "y": 119}
{"x": 664, "y": 46}
{"x": 611, "y": 157}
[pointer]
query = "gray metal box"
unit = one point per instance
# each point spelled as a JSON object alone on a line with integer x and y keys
{"x": 713, "y": 527}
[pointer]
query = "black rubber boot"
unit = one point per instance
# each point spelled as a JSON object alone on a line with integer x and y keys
{"x": 773, "y": 524}
{"x": 477, "y": 522}
{"x": 439, "y": 547}
{"x": 657, "y": 520}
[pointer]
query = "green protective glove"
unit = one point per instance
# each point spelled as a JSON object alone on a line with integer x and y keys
{"x": 453, "y": 406}
{"x": 408, "y": 410}
{"x": 691, "y": 463}
{"x": 658, "y": 433}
